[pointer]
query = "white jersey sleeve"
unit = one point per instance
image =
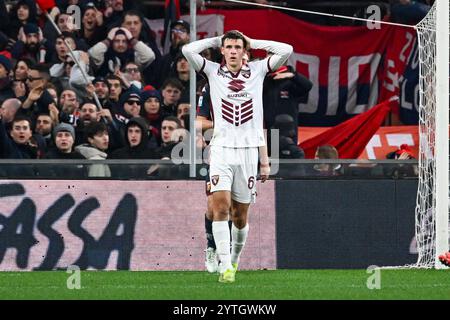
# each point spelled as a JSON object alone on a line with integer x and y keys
{"x": 192, "y": 51}
{"x": 281, "y": 51}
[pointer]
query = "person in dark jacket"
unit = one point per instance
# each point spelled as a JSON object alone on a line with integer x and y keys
{"x": 283, "y": 90}
{"x": 17, "y": 143}
{"x": 137, "y": 135}
{"x": 64, "y": 138}
{"x": 6, "y": 91}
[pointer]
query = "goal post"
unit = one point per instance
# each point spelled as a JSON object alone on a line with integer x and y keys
{"x": 442, "y": 123}
{"x": 432, "y": 210}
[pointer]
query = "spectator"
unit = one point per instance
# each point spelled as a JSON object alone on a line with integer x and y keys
{"x": 168, "y": 127}
{"x": 69, "y": 106}
{"x": 20, "y": 71}
{"x": 92, "y": 26}
{"x": 44, "y": 127}
{"x": 115, "y": 91}
{"x": 39, "y": 99}
{"x": 30, "y": 44}
{"x": 152, "y": 112}
{"x": 119, "y": 48}
{"x": 51, "y": 88}
{"x": 287, "y": 131}
{"x": 133, "y": 74}
{"x": 101, "y": 89}
{"x": 18, "y": 143}
{"x": 409, "y": 11}
{"x": 183, "y": 110}
{"x": 171, "y": 94}
{"x": 134, "y": 22}
{"x": 9, "y": 109}
{"x": 181, "y": 72}
{"x": 404, "y": 152}
{"x": 137, "y": 142}
{"x": 327, "y": 152}
{"x": 64, "y": 138}
{"x": 179, "y": 35}
{"x": 114, "y": 11}
{"x": 61, "y": 52}
{"x": 23, "y": 12}
{"x": 6, "y": 91}
{"x": 282, "y": 92}
{"x": 96, "y": 134}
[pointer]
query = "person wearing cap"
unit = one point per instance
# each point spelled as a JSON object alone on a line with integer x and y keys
{"x": 64, "y": 138}
{"x": 151, "y": 111}
{"x": 6, "y": 91}
{"x": 117, "y": 49}
{"x": 179, "y": 36}
{"x": 129, "y": 107}
{"x": 30, "y": 44}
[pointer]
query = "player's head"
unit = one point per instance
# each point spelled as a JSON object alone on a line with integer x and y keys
{"x": 233, "y": 48}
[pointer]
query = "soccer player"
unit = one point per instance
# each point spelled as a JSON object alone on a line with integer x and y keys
{"x": 205, "y": 120}
{"x": 236, "y": 97}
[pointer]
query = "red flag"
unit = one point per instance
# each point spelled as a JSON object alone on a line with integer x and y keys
{"x": 350, "y": 137}
{"x": 172, "y": 13}
{"x": 46, "y": 5}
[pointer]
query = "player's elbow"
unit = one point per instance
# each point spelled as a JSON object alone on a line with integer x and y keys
{"x": 289, "y": 49}
{"x": 185, "y": 50}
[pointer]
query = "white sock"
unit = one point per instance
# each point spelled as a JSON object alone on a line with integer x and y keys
{"x": 239, "y": 237}
{"x": 221, "y": 232}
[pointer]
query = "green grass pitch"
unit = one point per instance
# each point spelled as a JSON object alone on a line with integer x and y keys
{"x": 270, "y": 285}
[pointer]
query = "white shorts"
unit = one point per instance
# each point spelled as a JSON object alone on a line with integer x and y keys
{"x": 235, "y": 170}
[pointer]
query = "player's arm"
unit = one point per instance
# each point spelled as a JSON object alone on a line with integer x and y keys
{"x": 205, "y": 123}
{"x": 281, "y": 51}
{"x": 264, "y": 164}
{"x": 192, "y": 51}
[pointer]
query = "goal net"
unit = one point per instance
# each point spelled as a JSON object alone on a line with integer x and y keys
{"x": 432, "y": 209}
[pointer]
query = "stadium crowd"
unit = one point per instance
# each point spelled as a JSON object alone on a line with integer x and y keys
{"x": 124, "y": 100}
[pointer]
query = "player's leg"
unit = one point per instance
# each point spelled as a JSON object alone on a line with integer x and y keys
{"x": 221, "y": 175}
{"x": 243, "y": 193}
{"x": 221, "y": 210}
{"x": 211, "y": 259}
{"x": 239, "y": 231}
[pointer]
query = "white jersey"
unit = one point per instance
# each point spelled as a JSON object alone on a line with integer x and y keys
{"x": 236, "y": 99}
{"x": 236, "y": 103}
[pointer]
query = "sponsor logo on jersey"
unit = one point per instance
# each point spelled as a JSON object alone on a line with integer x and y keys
{"x": 236, "y": 85}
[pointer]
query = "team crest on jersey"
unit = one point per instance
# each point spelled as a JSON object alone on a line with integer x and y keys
{"x": 246, "y": 73}
{"x": 215, "y": 180}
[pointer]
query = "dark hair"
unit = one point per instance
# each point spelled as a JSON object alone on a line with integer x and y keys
{"x": 94, "y": 128}
{"x": 174, "y": 119}
{"x": 66, "y": 34}
{"x": 27, "y": 61}
{"x": 173, "y": 82}
{"x": 233, "y": 34}
{"x": 133, "y": 13}
{"x": 112, "y": 77}
{"x": 21, "y": 117}
{"x": 42, "y": 69}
